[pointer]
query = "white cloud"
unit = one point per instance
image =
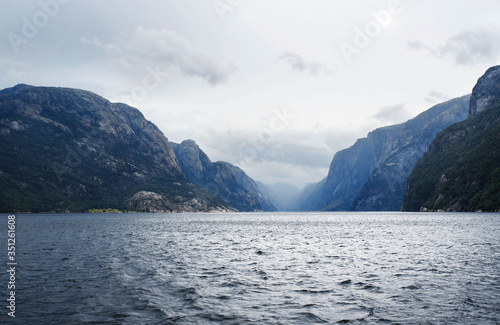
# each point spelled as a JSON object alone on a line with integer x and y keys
{"x": 468, "y": 48}
{"x": 14, "y": 71}
{"x": 278, "y": 172}
{"x": 162, "y": 56}
{"x": 298, "y": 63}
{"x": 245, "y": 147}
{"x": 148, "y": 48}
{"x": 436, "y": 97}
{"x": 417, "y": 46}
{"x": 392, "y": 114}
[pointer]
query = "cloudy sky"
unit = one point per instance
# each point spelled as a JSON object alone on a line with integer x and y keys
{"x": 273, "y": 86}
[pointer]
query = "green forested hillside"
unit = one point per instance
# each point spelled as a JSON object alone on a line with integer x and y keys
{"x": 70, "y": 150}
{"x": 461, "y": 171}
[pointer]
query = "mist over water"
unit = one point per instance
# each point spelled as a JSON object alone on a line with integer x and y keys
{"x": 260, "y": 268}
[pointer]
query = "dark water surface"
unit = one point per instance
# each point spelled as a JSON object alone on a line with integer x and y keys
{"x": 259, "y": 268}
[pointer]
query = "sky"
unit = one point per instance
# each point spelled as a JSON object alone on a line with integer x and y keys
{"x": 276, "y": 87}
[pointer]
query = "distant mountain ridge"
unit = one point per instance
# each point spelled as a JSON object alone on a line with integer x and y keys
{"x": 282, "y": 195}
{"x": 71, "y": 150}
{"x": 226, "y": 181}
{"x": 461, "y": 170}
{"x": 371, "y": 175}
{"x": 252, "y": 187}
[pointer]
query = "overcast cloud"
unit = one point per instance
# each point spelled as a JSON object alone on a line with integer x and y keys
{"x": 393, "y": 114}
{"x": 262, "y": 84}
{"x": 470, "y": 47}
{"x": 436, "y": 97}
{"x": 163, "y": 49}
{"x": 298, "y": 63}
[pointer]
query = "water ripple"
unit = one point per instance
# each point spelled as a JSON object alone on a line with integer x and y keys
{"x": 326, "y": 268}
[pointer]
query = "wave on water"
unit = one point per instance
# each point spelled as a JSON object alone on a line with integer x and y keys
{"x": 322, "y": 268}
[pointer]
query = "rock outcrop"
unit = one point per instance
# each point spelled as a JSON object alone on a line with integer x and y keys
{"x": 486, "y": 91}
{"x": 152, "y": 202}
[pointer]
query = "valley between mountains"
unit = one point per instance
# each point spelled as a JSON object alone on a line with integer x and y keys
{"x": 70, "y": 150}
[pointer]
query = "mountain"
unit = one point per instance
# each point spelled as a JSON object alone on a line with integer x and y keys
{"x": 307, "y": 198}
{"x": 486, "y": 91}
{"x": 371, "y": 175}
{"x": 72, "y": 150}
{"x": 251, "y": 186}
{"x": 220, "y": 178}
{"x": 461, "y": 170}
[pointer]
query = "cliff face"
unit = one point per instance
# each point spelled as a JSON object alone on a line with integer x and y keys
{"x": 68, "y": 149}
{"x": 486, "y": 91}
{"x": 461, "y": 170}
{"x": 371, "y": 175}
{"x": 351, "y": 168}
{"x": 384, "y": 190}
{"x": 251, "y": 186}
{"x": 228, "y": 182}
{"x": 307, "y": 198}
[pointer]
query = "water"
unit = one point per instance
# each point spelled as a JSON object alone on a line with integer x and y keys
{"x": 346, "y": 268}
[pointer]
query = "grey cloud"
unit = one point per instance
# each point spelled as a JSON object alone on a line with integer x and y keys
{"x": 436, "y": 97}
{"x": 291, "y": 156}
{"x": 13, "y": 71}
{"x": 392, "y": 114}
{"x": 297, "y": 176}
{"x": 298, "y": 63}
{"x": 245, "y": 147}
{"x": 470, "y": 47}
{"x": 417, "y": 46}
{"x": 162, "y": 48}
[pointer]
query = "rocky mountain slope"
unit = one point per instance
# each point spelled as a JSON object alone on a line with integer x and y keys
{"x": 371, "y": 175}
{"x": 252, "y": 187}
{"x": 461, "y": 170}
{"x": 226, "y": 181}
{"x": 72, "y": 150}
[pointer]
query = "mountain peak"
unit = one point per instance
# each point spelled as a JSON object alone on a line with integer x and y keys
{"x": 460, "y": 170}
{"x": 70, "y": 149}
{"x": 223, "y": 179}
{"x": 486, "y": 91}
